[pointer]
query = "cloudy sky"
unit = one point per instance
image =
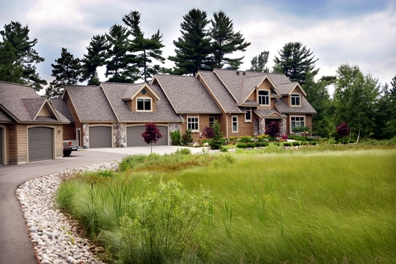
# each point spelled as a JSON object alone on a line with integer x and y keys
{"x": 357, "y": 32}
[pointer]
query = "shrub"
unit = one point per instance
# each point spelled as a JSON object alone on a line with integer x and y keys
{"x": 187, "y": 138}
{"x": 217, "y": 140}
{"x": 287, "y": 144}
{"x": 296, "y": 143}
{"x": 208, "y": 132}
{"x": 241, "y": 145}
{"x": 161, "y": 225}
{"x": 313, "y": 143}
{"x": 273, "y": 129}
{"x": 251, "y": 145}
{"x": 246, "y": 139}
{"x": 223, "y": 149}
{"x": 176, "y": 138}
{"x": 285, "y": 136}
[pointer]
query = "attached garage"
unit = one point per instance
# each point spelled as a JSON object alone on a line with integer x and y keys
{"x": 135, "y": 139}
{"x": 100, "y": 137}
{"x": 40, "y": 143}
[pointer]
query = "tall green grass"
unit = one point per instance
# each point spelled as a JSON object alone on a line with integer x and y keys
{"x": 285, "y": 206}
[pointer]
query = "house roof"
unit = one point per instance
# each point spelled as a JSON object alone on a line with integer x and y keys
{"x": 90, "y": 103}
{"x": 4, "y": 118}
{"x": 269, "y": 113}
{"x": 23, "y": 104}
{"x": 115, "y": 93}
{"x": 62, "y": 109}
{"x": 186, "y": 94}
{"x": 219, "y": 92}
{"x": 134, "y": 89}
{"x": 283, "y": 108}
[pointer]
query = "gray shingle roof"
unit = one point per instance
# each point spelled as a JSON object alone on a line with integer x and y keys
{"x": 283, "y": 108}
{"x": 131, "y": 90}
{"x": 23, "y": 104}
{"x": 116, "y": 91}
{"x": 4, "y": 117}
{"x": 221, "y": 94}
{"x": 90, "y": 103}
{"x": 187, "y": 94}
{"x": 267, "y": 113}
{"x": 62, "y": 109}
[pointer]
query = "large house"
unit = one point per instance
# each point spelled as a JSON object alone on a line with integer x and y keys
{"x": 114, "y": 114}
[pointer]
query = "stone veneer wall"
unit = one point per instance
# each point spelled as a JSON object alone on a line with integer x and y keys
{"x": 85, "y": 134}
{"x": 119, "y": 135}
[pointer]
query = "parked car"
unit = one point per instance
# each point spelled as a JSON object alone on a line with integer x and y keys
{"x": 69, "y": 146}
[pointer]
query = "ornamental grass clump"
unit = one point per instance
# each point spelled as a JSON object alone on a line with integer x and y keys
{"x": 162, "y": 226}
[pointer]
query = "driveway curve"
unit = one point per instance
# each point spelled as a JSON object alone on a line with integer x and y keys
{"x": 15, "y": 245}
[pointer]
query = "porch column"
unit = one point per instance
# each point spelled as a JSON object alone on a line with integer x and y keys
{"x": 85, "y": 134}
{"x": 119, "y": 135}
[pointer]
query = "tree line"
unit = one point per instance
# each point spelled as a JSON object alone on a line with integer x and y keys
{"x": 359, "y": 100}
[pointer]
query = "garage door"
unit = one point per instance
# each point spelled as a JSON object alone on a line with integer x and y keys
{"x": 1, "y": 145}
{"x": 41, "y": 143}
{"x": 135, "y": 139}
{"x": 100, "y": 137}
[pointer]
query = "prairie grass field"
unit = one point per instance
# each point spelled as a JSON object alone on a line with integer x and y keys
{"x": 260, "y": 206}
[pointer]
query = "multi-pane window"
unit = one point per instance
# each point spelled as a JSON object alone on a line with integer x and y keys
{"x": 192, "y": 123}
{"x": 295, "y": 100}
{"x": 248, "y": 114}
{"x": 263, "y": 97}
{"x": 297, "y": 121}
{"x": 143, "y": 104}
{"x": 235, "y": 124}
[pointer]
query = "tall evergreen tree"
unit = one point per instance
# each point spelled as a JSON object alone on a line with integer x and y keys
{"x": 95, "y": 57}
{"x": 355, "y": 97}
{"x": 258, "y": 63}
{"x": 11, "y": 69}
{"x": 193, "y": 47}
{"x": 295, "y": 61}
{"x": 225, "y": 41}
{"x": 24, "y": 55}
{"x": 120, "y": 63}
{"x": 66, "y": 72}
{"x": 145, "y": 49}
{"x": 384, "y": 116}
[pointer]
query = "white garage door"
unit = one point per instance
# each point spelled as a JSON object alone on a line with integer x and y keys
{"x": 100, "y": 137}
{"x": 41, "y": 143}
{"x": 135, "y": 139}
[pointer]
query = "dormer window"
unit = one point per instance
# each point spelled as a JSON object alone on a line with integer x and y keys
{"x": 143, "y": 104}
{"x": 295, "y": 100}
{"x": 263, "y": 97}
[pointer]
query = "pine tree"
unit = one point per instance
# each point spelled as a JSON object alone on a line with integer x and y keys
{"x": 225, "y": 41}
{"x": 95, "y": 57}
{"x": 295, "y": 61}
{"x": 120, "y": 63}
{"x": 24, "y": 55}
{"x": 11, "y": 69}
{"x": 66, "y": 72}
{"x": 258, "y": 63}
{"x": 193, "y": 47}
{"x": 145, "y": 49}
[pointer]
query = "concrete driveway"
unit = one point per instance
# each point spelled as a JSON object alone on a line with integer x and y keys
{"x": 15, "y": 245}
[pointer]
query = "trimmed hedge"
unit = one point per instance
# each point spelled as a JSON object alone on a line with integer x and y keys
{"x": 241, "y": 145}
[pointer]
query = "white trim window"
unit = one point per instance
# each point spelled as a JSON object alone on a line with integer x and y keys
{"x": 193, "y": 123}
{"x": 296, "y": 121}
{"x": 144, "y": 104}
{"x": 295, "y": 100}
{"x": 248, "y": 115}
{"x": 263, "y": 97}
{"x": 234, "y": 124}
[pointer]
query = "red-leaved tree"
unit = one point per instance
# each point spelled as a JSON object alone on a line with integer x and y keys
{"x": 343, "y": 130}
{"x": 208, "y": 132}
{"x": 151, "y": 134}
{"x": 273, "y": 129}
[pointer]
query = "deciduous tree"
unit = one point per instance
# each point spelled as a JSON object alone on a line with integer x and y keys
{"x": 151, "y": 134}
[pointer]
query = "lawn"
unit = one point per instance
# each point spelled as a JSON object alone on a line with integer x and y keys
{"x": 244, "y": 207}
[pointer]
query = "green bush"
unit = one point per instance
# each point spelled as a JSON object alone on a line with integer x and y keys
{"x": 250, "y": 145}
{"x": 187, "y": 138}
{"x": 296, "y": 143}
{"x": 176, "y": 138}
{"x": 161, "y": 226}
{"x": 241, "y": 145}
{"x": 217, "y": 140}
{"x": 223, "y": 149}
{"x": 287, "y": 144}
{"x": 313, "y": 143}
